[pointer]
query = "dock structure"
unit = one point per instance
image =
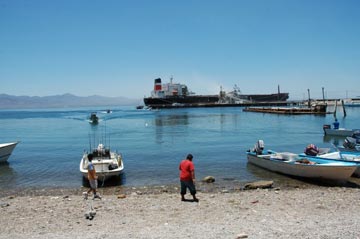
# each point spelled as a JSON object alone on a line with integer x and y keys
{"x": 317, "y": 109}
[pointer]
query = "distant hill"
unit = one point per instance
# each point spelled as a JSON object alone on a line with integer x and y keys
{"x": 61, "y": 101}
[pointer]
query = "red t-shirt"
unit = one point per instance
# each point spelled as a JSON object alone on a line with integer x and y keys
{"x": 186, "y": 167}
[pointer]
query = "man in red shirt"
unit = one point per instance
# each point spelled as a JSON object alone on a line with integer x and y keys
{"x": 187, "y": 177}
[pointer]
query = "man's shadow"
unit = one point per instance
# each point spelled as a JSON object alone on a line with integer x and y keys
{"x": 190, "y": 200}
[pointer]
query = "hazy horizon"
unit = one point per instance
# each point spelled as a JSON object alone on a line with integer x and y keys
{"x": 117, "y": 48}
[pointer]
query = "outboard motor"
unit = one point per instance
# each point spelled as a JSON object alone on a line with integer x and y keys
{"x": 349, "y": 143}
{"x": 326, "y": 126}
{"x": 356, "y": 135}
{"x": 311, "y": 150}
{"x": 259, "y": 147}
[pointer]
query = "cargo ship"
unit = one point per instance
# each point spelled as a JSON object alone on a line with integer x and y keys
{"x": 178, "y": 95}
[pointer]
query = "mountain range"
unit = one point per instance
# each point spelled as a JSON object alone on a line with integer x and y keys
{"x": 62, "y": 101}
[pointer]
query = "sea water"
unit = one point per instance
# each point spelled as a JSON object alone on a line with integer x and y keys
{"x": 153, "y": 143}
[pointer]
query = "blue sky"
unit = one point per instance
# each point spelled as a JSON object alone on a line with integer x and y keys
{"x": 117, "y": 48}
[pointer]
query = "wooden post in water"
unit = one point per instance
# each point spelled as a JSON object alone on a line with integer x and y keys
{"x": 342, "y": 103}
{"x": 335, "y": 109}
{"x": 309, "y": 104}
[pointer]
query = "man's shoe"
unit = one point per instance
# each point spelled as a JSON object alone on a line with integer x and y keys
{"x": 97, "y": 196}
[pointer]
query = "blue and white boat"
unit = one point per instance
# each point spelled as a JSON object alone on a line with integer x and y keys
{"x": 339, "y": 156}
{"x": 299, "y": 165}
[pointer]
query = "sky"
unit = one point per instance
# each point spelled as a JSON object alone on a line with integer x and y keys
{"x": 118, "y": 47}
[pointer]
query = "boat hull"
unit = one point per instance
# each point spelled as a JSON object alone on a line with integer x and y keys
{"x": 339, "y": 132}
{"x": 266, "y": 97}
{"x": 210, "y": 99}
{"x": 170, "y": 100}
{"x": 353, "y": 157}
{"x": 332, "y": 171}
{"x": 6, "y": 150}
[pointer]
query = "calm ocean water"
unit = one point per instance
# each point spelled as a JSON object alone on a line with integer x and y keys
{"x": 153, "y": 142}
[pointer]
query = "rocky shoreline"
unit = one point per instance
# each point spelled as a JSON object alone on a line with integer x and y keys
{"x": 282, "y": 211}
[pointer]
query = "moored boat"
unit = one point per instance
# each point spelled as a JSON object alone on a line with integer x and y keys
{"x": 107, "y": 163}
{"x": 174, "y": 95}
{"x": 296, "y": 165}
{"x": 6, "y": 150}
{"x": 353, "y": 157}
{"x": 338, "y": 132}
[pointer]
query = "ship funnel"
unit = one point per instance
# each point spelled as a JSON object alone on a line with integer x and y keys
{"x": 157, "y": 84}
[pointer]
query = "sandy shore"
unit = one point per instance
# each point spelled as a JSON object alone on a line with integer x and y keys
{"x": 309, "y": 212}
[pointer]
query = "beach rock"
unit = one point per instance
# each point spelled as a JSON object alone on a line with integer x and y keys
{"x": 4, "y": 204}
{"x": 209, "y": 179}
{"x": 241, "y": 235}
{"x": 121, "y": 196}
{"x": 259, "y": 184}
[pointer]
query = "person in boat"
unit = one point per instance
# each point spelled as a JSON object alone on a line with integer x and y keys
{"x": 92, "y": 177}
{"x": 336, "y": 124}
{"x": 187, "y": 178}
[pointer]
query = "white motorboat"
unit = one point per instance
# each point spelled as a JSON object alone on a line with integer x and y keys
{"x": 6, "y": 150}
{"x": 296, "y": 165}
{"x": 107, "y": 163}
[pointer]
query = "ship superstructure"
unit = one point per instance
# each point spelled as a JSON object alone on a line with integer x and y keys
{"x": 176, "y": 94}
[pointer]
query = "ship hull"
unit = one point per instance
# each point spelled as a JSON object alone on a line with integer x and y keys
{"x": 210, "y": 99}
{"x": 266, "y": 97}
{"x": 170, "y": 100}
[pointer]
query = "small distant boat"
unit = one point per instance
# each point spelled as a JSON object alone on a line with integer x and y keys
{"x": 6, "y": 150}
{"x": 296, "y": 165}
{"x": 93, "y": 119}
{"x": 107, "y": 163}
{"x": 338, "y": 132}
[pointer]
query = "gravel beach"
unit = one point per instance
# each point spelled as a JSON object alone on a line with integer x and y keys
{"x": 157, "y": 212}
